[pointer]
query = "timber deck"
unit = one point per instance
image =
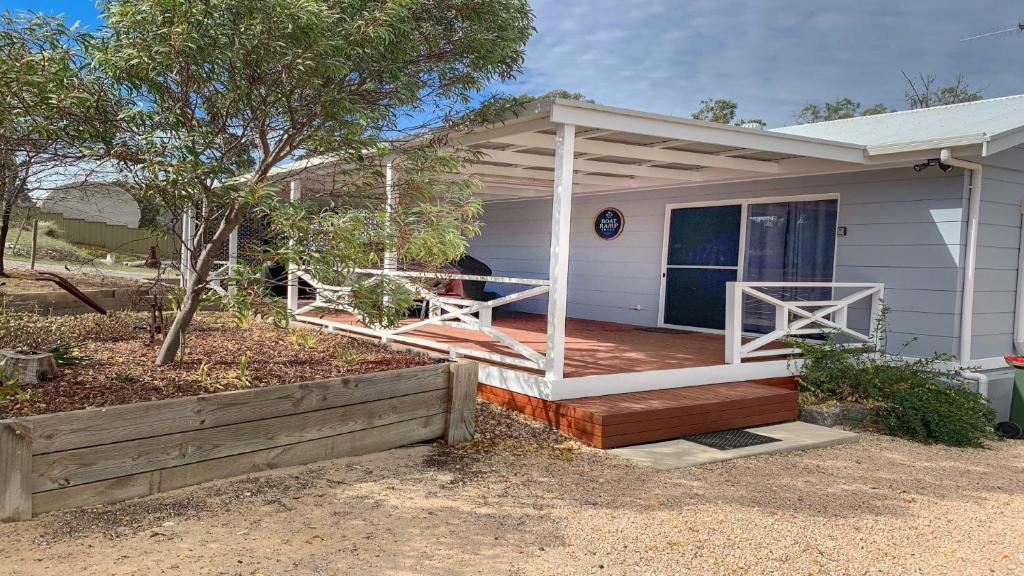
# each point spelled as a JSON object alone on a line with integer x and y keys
{"x": 592, "y": 347}
{"x": 618, "y": 420}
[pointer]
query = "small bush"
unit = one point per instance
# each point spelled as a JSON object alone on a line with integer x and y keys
{"x": 919, "y": 398}
{"x": 950, "y": 415}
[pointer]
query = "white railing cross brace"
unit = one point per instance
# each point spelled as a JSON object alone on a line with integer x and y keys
{"x": 830, "y": 315}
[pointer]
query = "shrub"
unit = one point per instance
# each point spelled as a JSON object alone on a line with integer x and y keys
{"x": 917, "y": 398}
{"x": 950, "y": 415}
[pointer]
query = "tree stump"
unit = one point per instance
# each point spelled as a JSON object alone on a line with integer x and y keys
{"x": 30, "y": 366}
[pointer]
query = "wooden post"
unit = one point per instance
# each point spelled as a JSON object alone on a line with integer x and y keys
{"x": 15, "y": 471}
{"x": 35, "y": 237}
{"x": 558, "y": 260}
{"x": 295, "y": 194}
{"x": 461, "y": 423}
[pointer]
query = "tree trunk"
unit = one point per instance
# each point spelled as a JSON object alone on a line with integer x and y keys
{"x": 193, "y": 290}
{"x": 5, "y": 228}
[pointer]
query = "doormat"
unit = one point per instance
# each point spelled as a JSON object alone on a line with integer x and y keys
{"x": 730, "y": 439}
{"x": 664, "y": 330}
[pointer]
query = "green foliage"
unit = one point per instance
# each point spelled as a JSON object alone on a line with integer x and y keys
{"x": 922, "y": 92}
{"x": 719, "y": 110}
{"x": 838, "y": 109}
{"x": 557, "y": 93}
{"x": 11, "y": 390}
{"x": 243, "y": 370}
{"x": 916, "y": 398}
{"x": 222, "y": 92}
{"x": 876, "y": 109}
{"x": 123, "y": 377}
{"x": 66, "y": 354}
{"x": 351, "y": 355}
{"x": 952, "y": 415}
{"x": 303, "y": 338}
{"x": 380, "y": 300}
{"x": 203, "y": 372}
{"x": 250, "y": 300}
{"x": 55, "y": 111}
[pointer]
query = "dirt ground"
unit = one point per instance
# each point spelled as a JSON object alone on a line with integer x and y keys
{"x": 522, "y": 501}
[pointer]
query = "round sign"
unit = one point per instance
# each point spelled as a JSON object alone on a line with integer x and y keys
{"x": 609, "y": 223}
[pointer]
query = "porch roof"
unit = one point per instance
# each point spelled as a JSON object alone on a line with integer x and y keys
{"x": 620, "y": 149}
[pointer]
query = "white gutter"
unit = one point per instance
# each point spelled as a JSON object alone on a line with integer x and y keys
{"x": 971, "y": 253}
{"x": 970, "y": 267}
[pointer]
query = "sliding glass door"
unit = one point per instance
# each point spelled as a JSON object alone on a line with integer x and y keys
{"x": 788, "y": 242}
{"x": 756, "y": 241}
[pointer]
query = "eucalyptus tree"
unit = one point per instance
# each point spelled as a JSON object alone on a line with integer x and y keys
{"x": 225, "y": 92}
{"x": 54, "y": 111}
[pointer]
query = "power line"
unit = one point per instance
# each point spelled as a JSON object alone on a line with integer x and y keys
{"x": 1018, "y": 28}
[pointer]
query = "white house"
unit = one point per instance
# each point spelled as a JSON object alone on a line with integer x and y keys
{"x": 93, "y": 202}
{"x": 650, "y": 266}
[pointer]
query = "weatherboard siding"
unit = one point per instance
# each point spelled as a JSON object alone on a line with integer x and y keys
{"x": 905, "y": 229}
{"x": 998, "y": 245}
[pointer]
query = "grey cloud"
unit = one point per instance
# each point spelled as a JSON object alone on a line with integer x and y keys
{"x": 770, "y": 56}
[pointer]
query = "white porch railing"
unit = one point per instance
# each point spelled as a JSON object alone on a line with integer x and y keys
{"x": 797, "y": 318}
{"x": 444, "y": 311}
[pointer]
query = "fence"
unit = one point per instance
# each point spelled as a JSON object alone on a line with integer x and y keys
{"x": 113, "y": 237}
{"x": 88, "y": 457}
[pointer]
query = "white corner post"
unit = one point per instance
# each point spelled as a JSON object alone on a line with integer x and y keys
{"x": 294, "y": 194}
{"x": 558, "y": 263}
{"x": 734, "y": 323}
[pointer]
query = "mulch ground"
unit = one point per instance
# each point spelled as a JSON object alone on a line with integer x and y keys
{"x": 219, "y": 356}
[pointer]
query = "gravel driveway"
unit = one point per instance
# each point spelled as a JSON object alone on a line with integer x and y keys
{"x": 522, "y": 501}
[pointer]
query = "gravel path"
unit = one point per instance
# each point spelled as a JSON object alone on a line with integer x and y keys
{"x": 521, "y": 500}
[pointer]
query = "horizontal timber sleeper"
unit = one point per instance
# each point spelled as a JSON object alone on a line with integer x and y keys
{"x": 56, "y": 461}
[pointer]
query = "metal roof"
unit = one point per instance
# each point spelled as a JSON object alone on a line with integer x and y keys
{"x": 993, "y": 123}
{"x": 618, "y": 149}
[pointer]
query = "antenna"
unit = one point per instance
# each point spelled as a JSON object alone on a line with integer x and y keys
{"x": 1018, "y": 28}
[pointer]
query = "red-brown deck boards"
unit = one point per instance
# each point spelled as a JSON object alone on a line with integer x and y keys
{"x": 592, "y": 347}
{"x": 637, "y": 417}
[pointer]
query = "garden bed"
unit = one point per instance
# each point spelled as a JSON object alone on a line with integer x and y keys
{"x": 112, "y": 425}
{"x": 118, "y": 359}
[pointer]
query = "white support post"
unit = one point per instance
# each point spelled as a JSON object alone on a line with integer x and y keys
{"x": 877, "y": 301}
{"x": 390, "y": 203}
{"x": 187, "y": 225}
{"x": 391, "y": 199}
{"x": 734, "y": 323}
{"x": 232, "y": 256}
{"x": 295, "y": 194}
{"x": 558, "y": 275}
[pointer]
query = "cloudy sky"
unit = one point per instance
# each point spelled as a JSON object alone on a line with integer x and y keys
{"x": 771, "y": 56}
